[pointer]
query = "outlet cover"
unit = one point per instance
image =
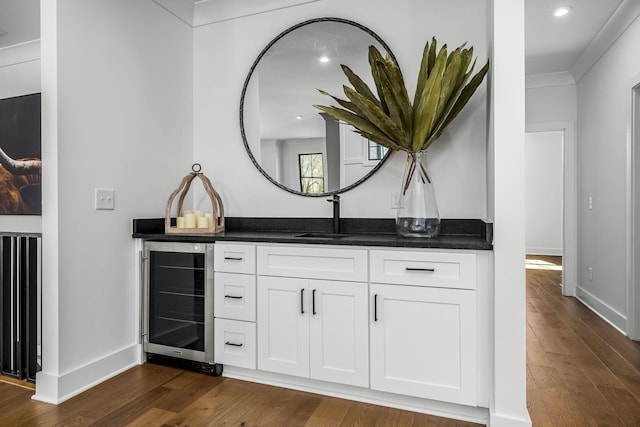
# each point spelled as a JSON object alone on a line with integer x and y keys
{"x": 104, "y": 199}
{"x": 395, "y": 199}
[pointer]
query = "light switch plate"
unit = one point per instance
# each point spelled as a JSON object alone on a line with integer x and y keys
{"x": 104, "y": 199}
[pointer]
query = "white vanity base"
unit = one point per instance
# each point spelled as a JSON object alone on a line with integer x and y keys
{"x": 407, "y": 403}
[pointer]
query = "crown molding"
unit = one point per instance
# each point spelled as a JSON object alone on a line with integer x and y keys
{"x": 561, "y": 78}
{"x": 184, "y": 10}
{"x": 617, "y": 24}
{"x": 20, "y": 53}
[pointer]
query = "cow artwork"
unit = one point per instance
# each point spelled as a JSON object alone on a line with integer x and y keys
{"x": 20, "y": 148}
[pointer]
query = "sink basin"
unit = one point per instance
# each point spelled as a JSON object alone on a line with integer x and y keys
{"x": 324, "y": 235}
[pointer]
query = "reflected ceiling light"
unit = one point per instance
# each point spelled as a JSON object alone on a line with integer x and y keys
{"x": 324, "y": 59}
{"x": 561, "y": 11}
{"x": 299, "y": 117}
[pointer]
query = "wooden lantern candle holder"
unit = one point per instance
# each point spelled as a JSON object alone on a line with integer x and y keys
{"x": 215, "y": 223}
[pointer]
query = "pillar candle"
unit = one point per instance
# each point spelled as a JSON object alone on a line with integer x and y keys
{"x": 189, "y": 220}
{"x": 203, "y": 222}
{"x": 210, "y": 218}
{"x": 180, "y": 222}
{"x": 198, "y": 214}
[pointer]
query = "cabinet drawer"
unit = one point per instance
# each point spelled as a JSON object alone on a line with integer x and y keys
{"x": 234, "y": 258}
{"x": 234, "y": 296}
{"x": 313, "y": 263}
{"x": 435, "y": 269}
{"x": 235, "y": 343}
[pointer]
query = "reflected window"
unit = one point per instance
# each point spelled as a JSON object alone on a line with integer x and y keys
{"x": 311, "y": 173}
{"x": 376, "y": 151}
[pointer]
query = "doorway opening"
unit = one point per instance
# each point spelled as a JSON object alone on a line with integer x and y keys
{"x": 550, "y": 200}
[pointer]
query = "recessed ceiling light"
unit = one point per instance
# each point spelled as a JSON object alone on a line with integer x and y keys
{"x": 299, "y": 117}
{"x": 561, "y": 11}
{"x": 324, "y": 59}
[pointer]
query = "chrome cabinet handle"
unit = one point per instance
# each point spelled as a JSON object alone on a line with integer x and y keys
{"x": 233, "y": 296}
{"x": 233, "y": 344}
{"x": 430, "y": 270}
{"x": 302, "y": 301}
{"x": 230, "y": 258}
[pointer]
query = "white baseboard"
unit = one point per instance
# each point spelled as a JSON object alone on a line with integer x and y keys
{"x": 544, "y": 251}
{"x": 432, "y": 407}
{"x": 501, "y": 420}
{"x": 51, "y": 388}
{"x": 602, "y": 309}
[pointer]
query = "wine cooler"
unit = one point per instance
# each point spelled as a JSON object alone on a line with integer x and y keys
{"x": 178, "y": 302}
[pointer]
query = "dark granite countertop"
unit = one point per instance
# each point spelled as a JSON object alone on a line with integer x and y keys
{"x": 472, "y": 234}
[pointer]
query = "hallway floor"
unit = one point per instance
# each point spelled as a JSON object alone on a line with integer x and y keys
{"x": 580, "y": 370}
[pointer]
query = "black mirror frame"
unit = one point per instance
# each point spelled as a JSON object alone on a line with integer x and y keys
{"x": 246, "y": 84}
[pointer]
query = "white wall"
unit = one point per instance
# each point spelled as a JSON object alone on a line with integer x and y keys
{"x": 20, "y": 75}
{"x": 550, "y": 104}
{"x": 604, "y": 97}
{"x": 118, "y": 76}
{"x": 457, "y": 161}
{"x": 543, "y": 192}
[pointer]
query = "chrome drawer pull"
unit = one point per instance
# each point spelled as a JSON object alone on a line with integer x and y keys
{"x": 233, "y": 296}
{"x": 430, "y": 270}
{"x": 230, "y": 258}
{"x": 233, "y": 344}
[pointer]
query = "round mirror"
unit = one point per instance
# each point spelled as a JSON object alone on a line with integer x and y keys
{"x": 294, "y": 145}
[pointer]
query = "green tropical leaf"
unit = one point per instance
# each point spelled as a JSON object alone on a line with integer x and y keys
{"x": 359, "y": 85}
{"x": 346, "y": 104}
{"x": 399, "y": 92}
{"x": 423, "y": 74}
{"x": 382, "y": 140}
{"x": 424, "y": 114}
{"x": 352, "y": 119}
{"x": 449, "y": 81}
{"x": 431, "y": 57}
{"x": 444, "y": 86}
{"x": 374, "y": 58}
{"x": 376, "y": 116}
{"x": 466, "y": 94}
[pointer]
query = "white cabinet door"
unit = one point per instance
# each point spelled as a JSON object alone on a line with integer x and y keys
{"x": 338, "y": 326}
{"x": 423, "y": 342}
{"x": 283, "y": 325}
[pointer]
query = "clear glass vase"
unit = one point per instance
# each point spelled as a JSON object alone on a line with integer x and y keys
{"x": 418, "y": 214}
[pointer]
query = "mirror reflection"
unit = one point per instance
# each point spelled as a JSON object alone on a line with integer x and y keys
{"x": 296, "y": 146}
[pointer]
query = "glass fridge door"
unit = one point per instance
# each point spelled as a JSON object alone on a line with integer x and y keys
{"x": 177, "y": 300}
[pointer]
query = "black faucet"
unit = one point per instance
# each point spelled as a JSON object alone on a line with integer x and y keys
{"x": 336, "y": 213}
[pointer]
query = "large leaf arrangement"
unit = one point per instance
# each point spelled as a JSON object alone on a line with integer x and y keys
{"x": 445, "y": 85}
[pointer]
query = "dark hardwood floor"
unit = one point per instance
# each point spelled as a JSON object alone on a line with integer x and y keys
{"x": 580, "y": 372}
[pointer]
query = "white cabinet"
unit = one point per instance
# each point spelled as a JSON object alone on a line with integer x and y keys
{"x": 234, "y": 299}
{"x": 235, "y": 258}
{"x": 234, "y": 296}
{"x": 309, "y": 327}
{"x": 311, "y": 262}
{"x": 424, "y": 338}
{"x": 235, "y": 343}
{"x": 401, "y": 321}
{"x": 339, "y": 330}
{"x": 283, "y": 326}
